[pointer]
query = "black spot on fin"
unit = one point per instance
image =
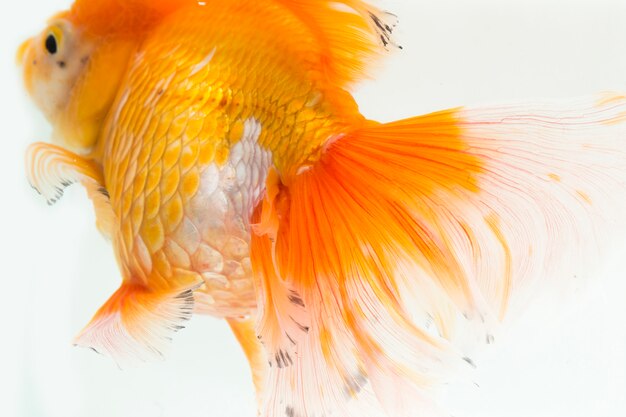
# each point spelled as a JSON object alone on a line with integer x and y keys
{"x": 385, "y": 24}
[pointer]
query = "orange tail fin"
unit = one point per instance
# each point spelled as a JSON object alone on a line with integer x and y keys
{"x": 370, "y": 263}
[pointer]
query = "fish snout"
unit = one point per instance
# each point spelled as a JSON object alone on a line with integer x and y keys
{"x": 25, "y": 60}
{"x": 22, "y": 52}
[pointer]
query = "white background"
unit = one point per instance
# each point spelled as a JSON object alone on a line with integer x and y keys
{"x": 561, "y": 360}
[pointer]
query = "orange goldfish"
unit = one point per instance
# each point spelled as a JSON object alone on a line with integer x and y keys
{"x": 234, "y": 175}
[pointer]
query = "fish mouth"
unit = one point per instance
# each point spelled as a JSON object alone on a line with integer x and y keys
{"x": 21, "y": 52}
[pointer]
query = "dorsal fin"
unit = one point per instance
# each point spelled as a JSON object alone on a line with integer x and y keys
{"x": 351, "y": 34}
{"x": 122, "y": 17}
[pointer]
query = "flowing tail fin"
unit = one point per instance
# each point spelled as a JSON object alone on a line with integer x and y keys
{"x": 370, "y": 263}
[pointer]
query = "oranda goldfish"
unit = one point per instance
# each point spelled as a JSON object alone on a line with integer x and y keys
{"x": 230, "y": 168}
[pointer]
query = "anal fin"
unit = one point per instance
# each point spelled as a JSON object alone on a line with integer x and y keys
{"x": 253, "y": 349}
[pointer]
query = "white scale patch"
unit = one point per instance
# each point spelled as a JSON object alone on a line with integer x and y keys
{"x": 251, "y": 163}
{"x": 220, "y": 212}
{"x": 213, "y": 239}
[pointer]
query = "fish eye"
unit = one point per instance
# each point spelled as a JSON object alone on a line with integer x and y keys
{"x": 51, "y": 44}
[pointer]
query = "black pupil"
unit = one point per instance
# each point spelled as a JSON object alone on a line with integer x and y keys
{"x": 51, "y": 44}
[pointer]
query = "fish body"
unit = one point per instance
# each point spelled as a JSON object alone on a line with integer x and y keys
{"x": 187, "y": 171}
{"x": 234, "y": 175}
{"x": 219, "y": 105}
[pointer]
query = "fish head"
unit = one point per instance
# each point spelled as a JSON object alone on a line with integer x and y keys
{"x": 73, "y": 78}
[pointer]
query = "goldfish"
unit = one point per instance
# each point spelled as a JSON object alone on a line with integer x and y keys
{"x": 232, "y": 171}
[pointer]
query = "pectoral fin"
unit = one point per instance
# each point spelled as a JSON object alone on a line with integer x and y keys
{"x": 50, "y": 169}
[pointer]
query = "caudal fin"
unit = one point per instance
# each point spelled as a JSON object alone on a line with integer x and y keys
{"x": 371, "y": 263}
